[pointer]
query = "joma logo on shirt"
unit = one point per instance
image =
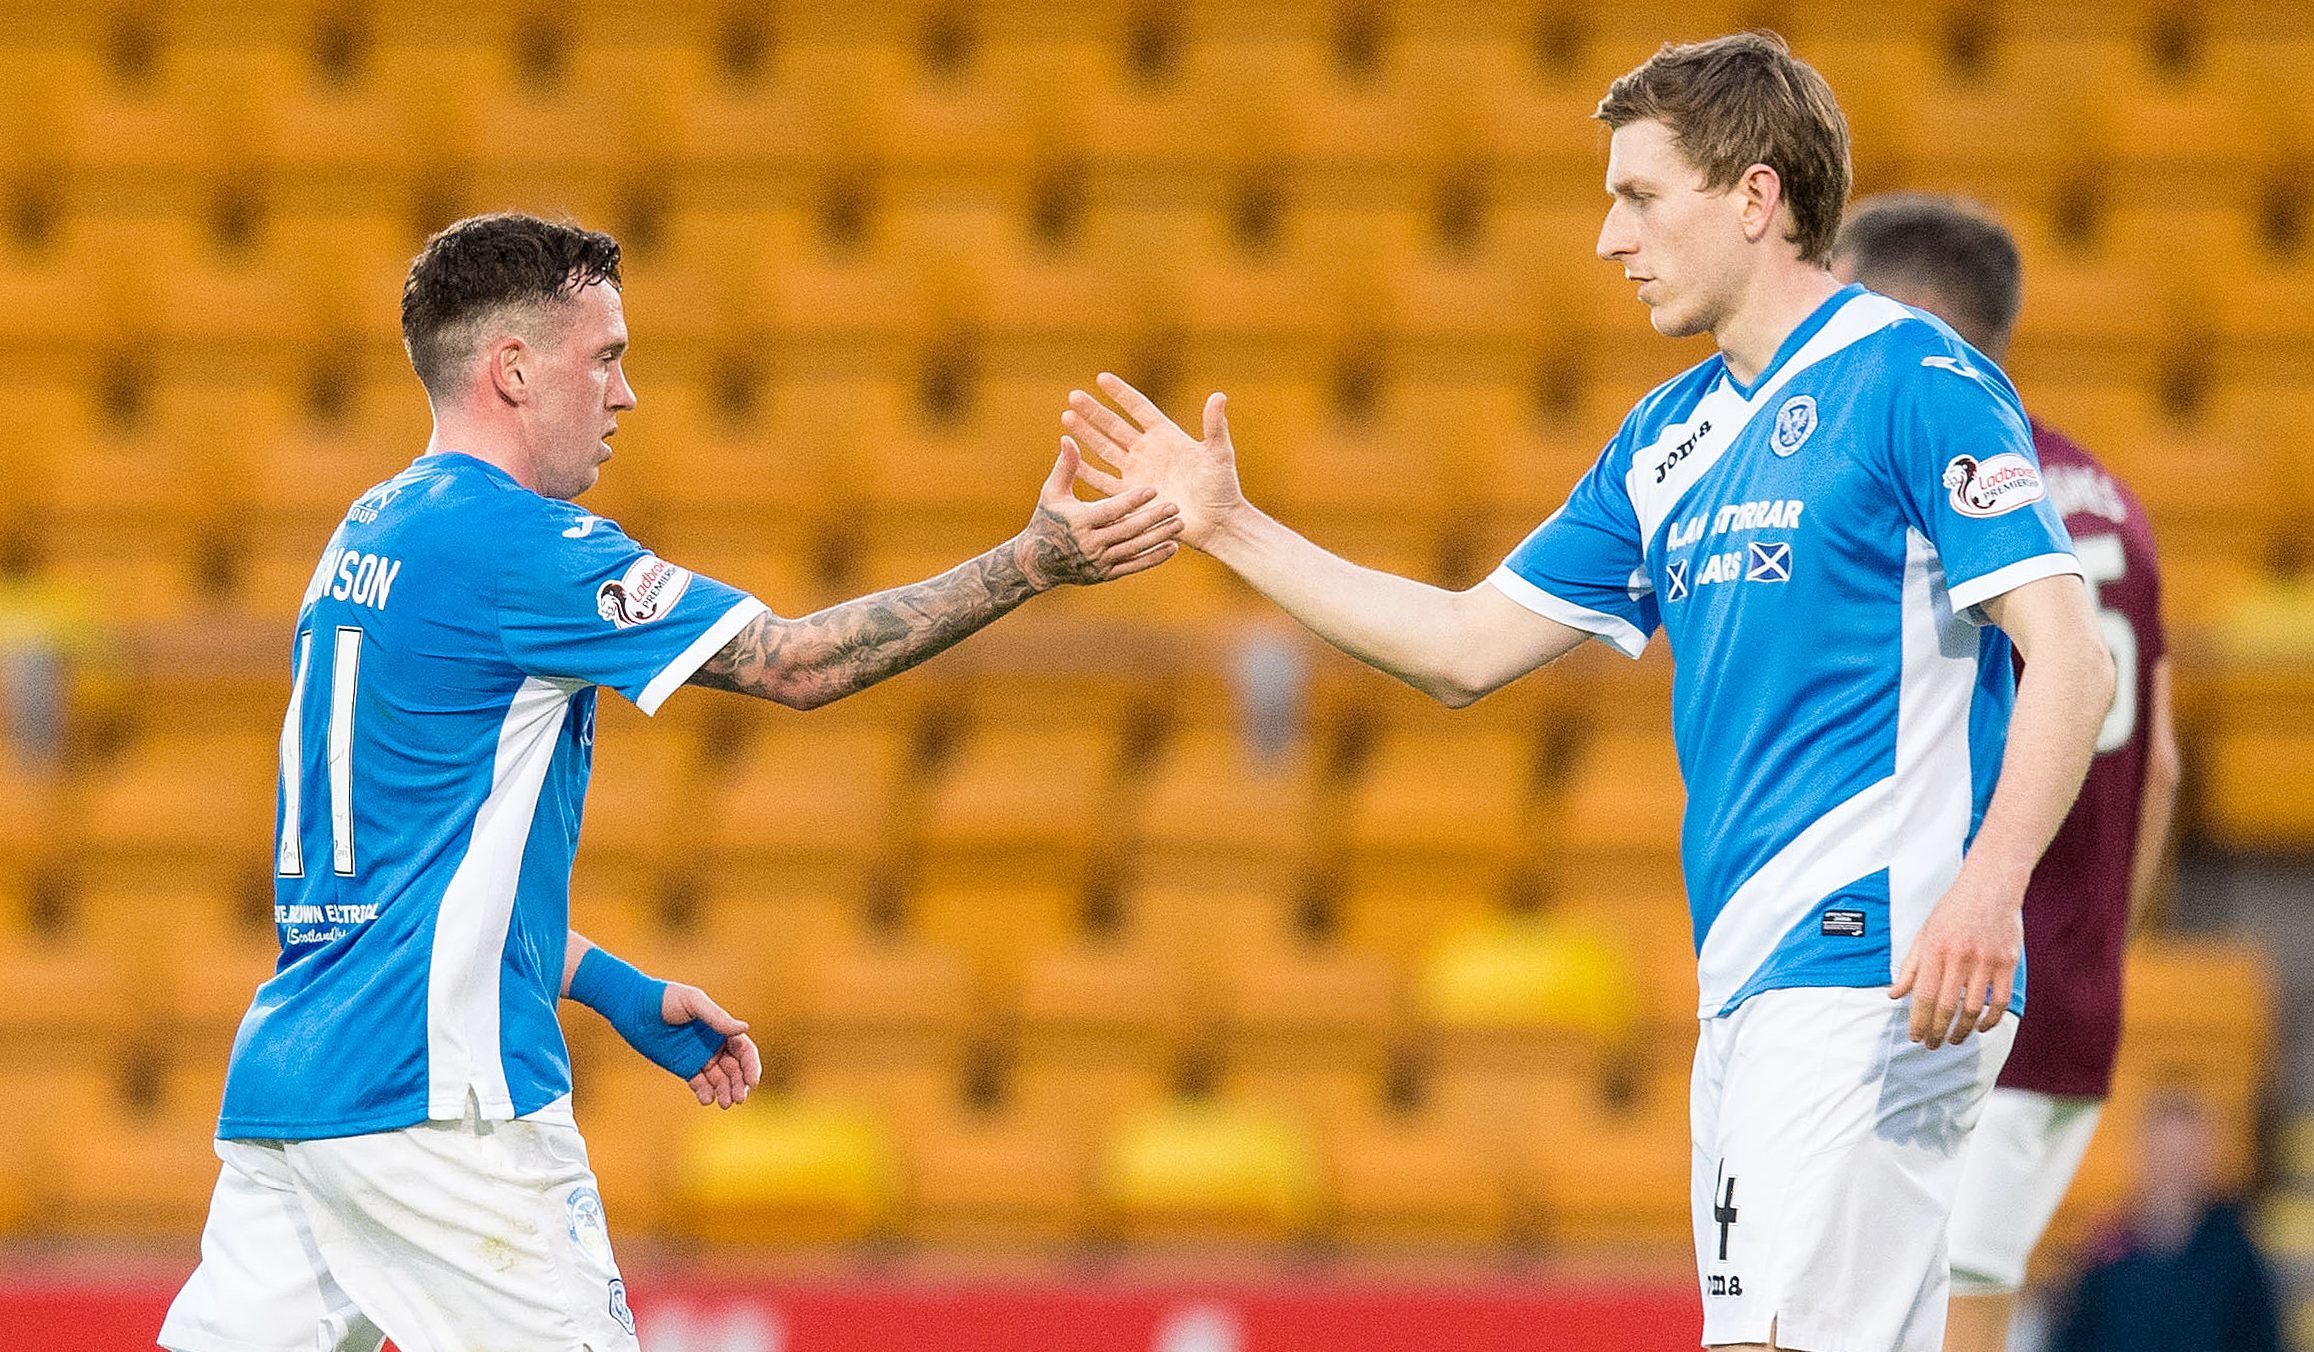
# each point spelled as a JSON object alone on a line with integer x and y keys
{"x": 1683, "y": 449}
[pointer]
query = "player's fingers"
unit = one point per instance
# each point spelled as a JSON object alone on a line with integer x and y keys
{"x": 1143, "y": 409}
{"x": 1948, "y": 1003}
{"x": 1922, "y": 981}
{"x": 1151, "y": 516}
{"x": 750, "y": 1061}
{"x": 1093, "y": 439}
{"x": 1142, "y": 562}
{"x": 1906, "y": 972}
{"x": 1103, "y": 419}
{"x": 697, "y": 1004}
{"x": 1141, "y": 544}
{"x": 2004, "y": 986}
{"x": 1060, "y": 485}
{"x": 1108, "y": 512}
{"x": 1093, "y": 476}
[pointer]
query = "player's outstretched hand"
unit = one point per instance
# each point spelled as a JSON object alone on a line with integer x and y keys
{"x": 1146, "y": 449}
{"x": 1070, "y": 542}
{"x": 1962, "y": 964}
{"x": 731, "y": 1072}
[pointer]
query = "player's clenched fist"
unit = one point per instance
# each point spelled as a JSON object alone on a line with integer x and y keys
{"x": 1150, "y": 451}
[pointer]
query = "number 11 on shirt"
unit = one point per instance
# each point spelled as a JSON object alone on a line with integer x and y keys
{"x": 345, "y": 672}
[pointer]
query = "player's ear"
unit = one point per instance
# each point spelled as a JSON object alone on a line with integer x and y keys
{"x": 508, "y": 363}
{"x": 1761, "y": 190}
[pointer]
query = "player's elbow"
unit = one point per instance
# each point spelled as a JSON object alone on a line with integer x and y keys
{"x": 2099, "y": 680}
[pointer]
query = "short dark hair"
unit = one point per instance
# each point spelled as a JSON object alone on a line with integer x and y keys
{"x": 1951, "y": 246}
{"x": 490, "y": 267}
{"x": 1742, "y": 100}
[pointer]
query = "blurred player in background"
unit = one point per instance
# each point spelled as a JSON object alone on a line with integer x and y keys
{"x": 1961, "y": 265}
{"x": 400, "y": 1158}
{"x": 1824, "y": 516}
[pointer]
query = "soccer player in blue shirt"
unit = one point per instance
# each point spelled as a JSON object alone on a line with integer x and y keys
{"x": 399, "y": 1154}
{"x": 1840, "y": 524}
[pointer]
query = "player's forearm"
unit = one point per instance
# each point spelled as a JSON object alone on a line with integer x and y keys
{"x": 822, "y": 657}
{"x": 2061, "y": 701}
{"x": 2157, "y": 802}
{"x": 1405, "y": 628}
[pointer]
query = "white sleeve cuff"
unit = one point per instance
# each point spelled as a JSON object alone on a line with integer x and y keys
{"x": 1619, "y": 634}
{"x": 688, "y": 661}
{"x": 1969, "y": 595}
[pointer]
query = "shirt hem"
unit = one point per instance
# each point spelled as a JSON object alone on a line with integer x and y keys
{"x": 1706, "y": 1012}
{"x": 686, "y": 663}
{"x": 1969, "y": 595}
{"x": 1619, "y": 634}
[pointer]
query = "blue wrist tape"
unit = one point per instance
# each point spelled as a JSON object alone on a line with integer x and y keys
{"x": 635, "y": 1005}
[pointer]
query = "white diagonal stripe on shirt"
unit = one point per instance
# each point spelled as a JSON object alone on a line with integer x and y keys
{"x": 1853, "y": 840}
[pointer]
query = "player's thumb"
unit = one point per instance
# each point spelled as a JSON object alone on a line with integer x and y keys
{"x": 1216, "y": 418}
{"x": 686, "y": 1003}
{"x": 1906, "y": 973}
{"x": 1061, "y": 483}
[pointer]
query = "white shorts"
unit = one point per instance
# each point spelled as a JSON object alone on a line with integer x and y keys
{"x": 445, "y": 1237}
{"x": 1827, "y": 1153}
{"x": 2018, "y": 1165}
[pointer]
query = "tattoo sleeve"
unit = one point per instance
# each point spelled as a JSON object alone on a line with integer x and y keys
{"x": 822, "y": 657}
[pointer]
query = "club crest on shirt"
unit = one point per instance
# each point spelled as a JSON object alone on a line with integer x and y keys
{"x": 648, "y": 590}
{"x": 1989, "y": 487}
{"x": 619, "y": 1310}
{"x": 1794, "y": 422}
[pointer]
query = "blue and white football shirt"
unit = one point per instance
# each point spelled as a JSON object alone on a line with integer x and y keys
{"x": 434, "y": 763}
{"x": 1816, "y": 543}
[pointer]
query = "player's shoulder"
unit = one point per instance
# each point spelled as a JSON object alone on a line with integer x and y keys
{"x": 1915, "y": 350}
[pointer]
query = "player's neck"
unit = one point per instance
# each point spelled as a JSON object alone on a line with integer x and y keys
{"x": 1776, "y": 303}
{"x": 491, "y": 447}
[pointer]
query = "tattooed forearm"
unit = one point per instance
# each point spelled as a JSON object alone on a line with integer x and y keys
{"x": 825, "y": 656}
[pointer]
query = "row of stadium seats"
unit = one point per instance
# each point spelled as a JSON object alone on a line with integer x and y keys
{"x": 942, "y": 88}
{"x": 1308, "y": 1125}
{"x": 1435, "y": 258}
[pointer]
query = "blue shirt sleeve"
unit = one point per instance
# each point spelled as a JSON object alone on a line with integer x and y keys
{"x": 579, "y": 600}
{"x": 1969, "y": 480}
{"x": 1585, "y": 566}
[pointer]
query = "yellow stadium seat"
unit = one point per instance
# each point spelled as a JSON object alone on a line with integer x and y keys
{"x": 1411, "y": 1181}
{"x": 645, "y": 791}
{"x": 185, "y": 797}
{"x": 1622, "y": 808}
{"x": 2258, "y": 784}
{"x": 882, "y": 1024}
{"x": 1517, "y": 1011}
{"x": 818, "y": 786}
{"x": 1614, "y": 1174}
{"x": 635, "y": 1118}
{"x": 2200, "y": 1009}
{"x": 1212, "y": 800}
{"x": 996, "y": 927}
{"x": 68, "y": 990}
{"x": 1455, "y": 797}
{"x": 1019, "y": 803}
{"x": 130, "y": 1149}
{"x": 1099, "y": 1025}
{"x": 221, "y": 946}
{"x": 1003, "y": 1178}
{"x": 1208, "y": 1172}
{"x": 1306, "y": 1031}
{"x": 791, "y": 1171}
{"x": 1210, "y": 924}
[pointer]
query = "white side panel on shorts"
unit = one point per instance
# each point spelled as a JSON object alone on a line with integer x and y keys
{"x": 462, "y": 1000}
{"x": 1933, "y": 789}
{"x": 1851, "y": 841}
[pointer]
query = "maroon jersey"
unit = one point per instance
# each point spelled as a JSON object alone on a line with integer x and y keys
{"x": 2077, "y": 906}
